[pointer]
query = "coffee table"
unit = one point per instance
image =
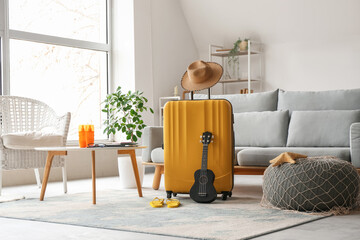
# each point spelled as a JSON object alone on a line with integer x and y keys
{"x": 63, "y": 151}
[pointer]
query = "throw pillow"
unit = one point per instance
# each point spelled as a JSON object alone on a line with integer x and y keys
{"x": 330, "y": 128}
{"x": 261, "y": 129}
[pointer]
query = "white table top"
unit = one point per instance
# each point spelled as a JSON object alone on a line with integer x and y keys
{"x": 87, "y": 149}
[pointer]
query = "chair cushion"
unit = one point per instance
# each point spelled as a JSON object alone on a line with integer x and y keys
{"x": 261, "y": 129}
{"x": 32, "y": 139}
{"x": 330, "y": 128}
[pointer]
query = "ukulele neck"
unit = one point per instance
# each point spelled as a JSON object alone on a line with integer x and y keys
{"x": 204, "y": 158}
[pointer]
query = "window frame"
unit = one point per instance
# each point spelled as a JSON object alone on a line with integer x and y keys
{"x": 6, "y": 34}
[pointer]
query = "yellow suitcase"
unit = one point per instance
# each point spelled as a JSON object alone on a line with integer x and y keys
{"x": 184, "y": 125}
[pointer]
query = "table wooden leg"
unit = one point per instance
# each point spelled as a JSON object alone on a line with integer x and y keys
{"x": 135, "y": 168}
{"x": 136, "y": 171}
{"x": 93, "y": 176}
{"x": 49, "y": 159}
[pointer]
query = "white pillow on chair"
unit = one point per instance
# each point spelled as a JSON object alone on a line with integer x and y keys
{"x": 32, "y": 139}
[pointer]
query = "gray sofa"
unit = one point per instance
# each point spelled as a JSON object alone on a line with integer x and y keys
{"x": 269, "y": 123}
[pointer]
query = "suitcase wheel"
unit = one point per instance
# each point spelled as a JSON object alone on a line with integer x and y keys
{"x": 225, "y": 194}
{"x": 168, "y": 194}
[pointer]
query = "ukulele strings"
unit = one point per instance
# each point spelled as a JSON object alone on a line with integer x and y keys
{"x": 202, "y": 190}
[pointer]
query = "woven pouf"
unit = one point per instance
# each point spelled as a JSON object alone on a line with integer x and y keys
{"x": 312, "y": 184}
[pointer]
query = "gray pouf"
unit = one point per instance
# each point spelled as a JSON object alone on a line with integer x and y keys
{"x": 313, "y": 184}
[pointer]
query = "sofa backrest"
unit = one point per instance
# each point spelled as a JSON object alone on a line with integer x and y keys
{"x": 255, "y": 102}
{"x": 321, "y": 100}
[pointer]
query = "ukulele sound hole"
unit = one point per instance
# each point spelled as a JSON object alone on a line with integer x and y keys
{"x": 203, "y": 179}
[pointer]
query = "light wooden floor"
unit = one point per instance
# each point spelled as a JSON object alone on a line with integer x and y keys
{"x": 337, "y": 227}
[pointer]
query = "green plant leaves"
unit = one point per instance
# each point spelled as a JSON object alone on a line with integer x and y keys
{"x": 123, "y": 113}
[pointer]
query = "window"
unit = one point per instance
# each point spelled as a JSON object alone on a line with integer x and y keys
{"x": 59, "y": 54}
{"x": 76, "y": 19}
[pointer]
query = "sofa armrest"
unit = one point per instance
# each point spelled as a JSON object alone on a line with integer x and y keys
{"x": 355, "y": 144}
{"x": 152, "y": 138}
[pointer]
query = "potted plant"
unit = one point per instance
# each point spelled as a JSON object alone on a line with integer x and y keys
{"x": 243, "y": 45}
{"x": 124, "y": 113}
{"x": 233, "y": 60}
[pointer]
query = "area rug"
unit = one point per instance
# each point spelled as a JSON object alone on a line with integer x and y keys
{"x": 235, "y": 218}
{"x": 10, "y": 198}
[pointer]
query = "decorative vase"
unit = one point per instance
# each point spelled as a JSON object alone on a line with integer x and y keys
{"x": 126, "y": 173}
{"x": 243, "y": 45}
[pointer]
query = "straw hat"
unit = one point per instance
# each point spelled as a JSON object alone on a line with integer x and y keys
{"x": 201, "y": 75}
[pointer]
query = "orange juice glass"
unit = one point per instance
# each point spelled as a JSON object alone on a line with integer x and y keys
{"x": 89, "y": 132}
{"x": 82, "y": 136}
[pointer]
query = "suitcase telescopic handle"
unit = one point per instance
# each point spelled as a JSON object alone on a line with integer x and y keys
{"x": 192, "y": 94}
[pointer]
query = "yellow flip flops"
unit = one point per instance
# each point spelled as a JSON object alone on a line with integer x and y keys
{"x": 157, "y": 202}
{"x": 172, "y": 203}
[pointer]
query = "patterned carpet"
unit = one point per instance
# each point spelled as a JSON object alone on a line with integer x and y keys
{"x": 236, "y": 218}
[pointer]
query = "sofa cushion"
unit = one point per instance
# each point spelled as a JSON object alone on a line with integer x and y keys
{"x": 261, "y": 157}
{"x": 157, "y": 154}
{"x": 329, "y": 128}
{"x": 261, "y": 129}
{"x": 255, "y": 102}
{"x": 238, "y": 149}
{"x": 31, "y": 140}
{"x": 321, "y": 100}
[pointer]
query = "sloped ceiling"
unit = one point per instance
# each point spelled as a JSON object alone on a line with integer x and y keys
{"x": 274, "y": 21}
{"x": 309, "y": 45}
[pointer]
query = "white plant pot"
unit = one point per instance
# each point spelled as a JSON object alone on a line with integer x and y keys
{"x": 126, "y": 172}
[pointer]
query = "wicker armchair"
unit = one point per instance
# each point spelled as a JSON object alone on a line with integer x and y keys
{"x": 21, "y": 115}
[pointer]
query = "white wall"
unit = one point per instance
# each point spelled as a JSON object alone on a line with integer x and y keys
{"x": 123, "y": 47}
{"x": 173, "y": 48}
{"x": 78, "y": 166}
{"x": 143, "y": 54}
{"x": 1, "y": 18}
{"x": 309, "y": 45}
{"x": 162, "y": 48}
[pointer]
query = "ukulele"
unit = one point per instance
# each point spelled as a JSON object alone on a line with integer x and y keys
{"x": 203, "y": 190}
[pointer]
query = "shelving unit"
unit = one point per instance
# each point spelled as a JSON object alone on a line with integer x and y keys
{"x": 162, "y": 102}
{"x": 254, "y": 48}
